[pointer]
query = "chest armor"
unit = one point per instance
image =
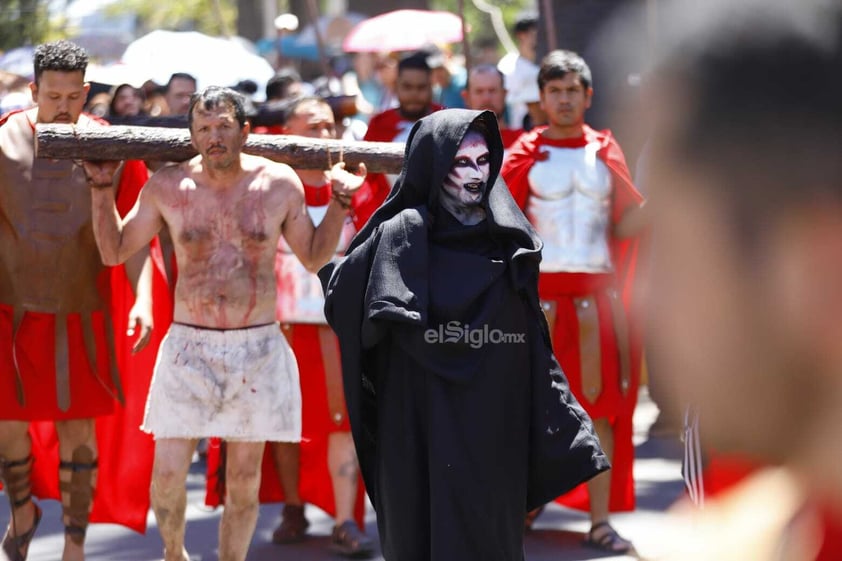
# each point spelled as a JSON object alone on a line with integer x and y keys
{"x": 570, "y": 206}
{"x": 300, "y": 297}
{"x": 49, "y": 261}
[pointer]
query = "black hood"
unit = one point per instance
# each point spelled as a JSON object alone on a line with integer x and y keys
{"x": 430, "y": 150}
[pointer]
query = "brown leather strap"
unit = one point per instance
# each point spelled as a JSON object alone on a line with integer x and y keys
{"x": 62, "y": 363}
{"x": 112, "y": 360}
{"x": 550, "y": 308}
{"x": 77, "y": 493}
{"x": 333, "y": 373}
{"x": 89, "y": 340}
{"x": 621, "y": 332}
{"x": 590, "y": 352}
{"x": 17, "y": 319}
{"x": 15, "y": 477}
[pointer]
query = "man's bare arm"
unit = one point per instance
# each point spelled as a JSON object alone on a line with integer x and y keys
{"x": 316, "y": 246}
{"x": 117, "y": 239}
{"x": 139, "y": 271}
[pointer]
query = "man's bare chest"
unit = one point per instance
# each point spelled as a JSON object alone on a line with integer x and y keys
{"x": 205, "y": 224}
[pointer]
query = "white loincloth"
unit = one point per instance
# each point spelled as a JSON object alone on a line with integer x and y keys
{"x": 237, "y": 384}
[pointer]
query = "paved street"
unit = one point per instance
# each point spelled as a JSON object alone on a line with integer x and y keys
{"x": 557, "y": 535}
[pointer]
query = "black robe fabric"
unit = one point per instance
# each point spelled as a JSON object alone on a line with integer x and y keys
{"x": 461, "y": 416}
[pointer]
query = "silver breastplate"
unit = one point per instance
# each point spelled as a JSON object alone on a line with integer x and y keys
{"x": 570, "y": 206}
{"x": 299, "y": 297}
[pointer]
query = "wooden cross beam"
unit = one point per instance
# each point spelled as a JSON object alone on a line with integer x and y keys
{"x": 67, "y": 142}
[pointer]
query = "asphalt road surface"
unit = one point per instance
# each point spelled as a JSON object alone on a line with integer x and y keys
{"x": 557, "y": 534}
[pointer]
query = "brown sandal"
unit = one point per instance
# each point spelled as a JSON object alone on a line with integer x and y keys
{"x": 349, "y": 541}
{"x": 293, "y": 527}
{"x": 16, "y": 547}
{"x": 609, "y": 541}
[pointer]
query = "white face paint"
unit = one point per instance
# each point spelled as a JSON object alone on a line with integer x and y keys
{"x": 467, "y": 180}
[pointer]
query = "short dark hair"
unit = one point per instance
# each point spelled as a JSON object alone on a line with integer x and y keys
{"x": 60, "y": 56}
{"x": 180, "y": 76}
{"x": 278, "y": 85}
{"x": 485, "y": 69}
{"x": 415, "y": 61}
{"x": 293, "y": 105}
{"x": 559, "y": 63}
{"x": 525, "y": 22}
{"x": 120, "y": 87}
{"x": 215, "y": 96}
{"x": 770, "y": 143}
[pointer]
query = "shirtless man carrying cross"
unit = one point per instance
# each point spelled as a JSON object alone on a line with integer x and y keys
{"x": 224, "y": 368}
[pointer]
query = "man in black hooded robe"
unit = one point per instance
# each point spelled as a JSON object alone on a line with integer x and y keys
{"x": 462, "y": 418}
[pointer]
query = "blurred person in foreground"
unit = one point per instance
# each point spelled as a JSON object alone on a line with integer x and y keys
{"x": 461, "y": 416}
{"x": 746, "y": 308}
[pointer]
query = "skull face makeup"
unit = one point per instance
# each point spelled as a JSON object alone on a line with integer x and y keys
{"x": 464, "y": 187}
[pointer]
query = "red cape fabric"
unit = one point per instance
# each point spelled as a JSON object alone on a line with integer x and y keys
{"x": 528, "y": 149}
{"x": 509, "y": 136}
{"x": 383, "y": 127}
{"x": 315, "y": 485}
{"x": 125, "y": 453}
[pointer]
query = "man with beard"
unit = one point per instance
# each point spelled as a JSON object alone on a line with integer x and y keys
{"x": 224, "y": 369}
{"x": 437, "y": 313}
{"x": 61, "y": 432}
{"x": 575, "y": 188}
{"x": 414, "y": 90}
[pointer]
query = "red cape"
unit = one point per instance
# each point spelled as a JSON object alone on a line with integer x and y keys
{"x": 125, "y": 453}
{"x": 315, "y": 484}
{"x": 509, "y": 136}
{"x": 383, "y": 127}
{"x": 528, "y": 149}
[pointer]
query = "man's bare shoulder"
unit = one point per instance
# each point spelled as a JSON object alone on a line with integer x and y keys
{"x": 277, "y": 177}
{"x": 267, "y": 166}
{"x": 168, "y": 179}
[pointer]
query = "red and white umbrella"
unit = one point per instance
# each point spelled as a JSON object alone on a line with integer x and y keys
{"x": 403, "y": 30}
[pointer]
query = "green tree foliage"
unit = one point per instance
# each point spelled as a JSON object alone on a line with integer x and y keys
{"x": 479, "y": 22}
{"x": 22, "y": 22}
{"x": 213, "y": 17}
